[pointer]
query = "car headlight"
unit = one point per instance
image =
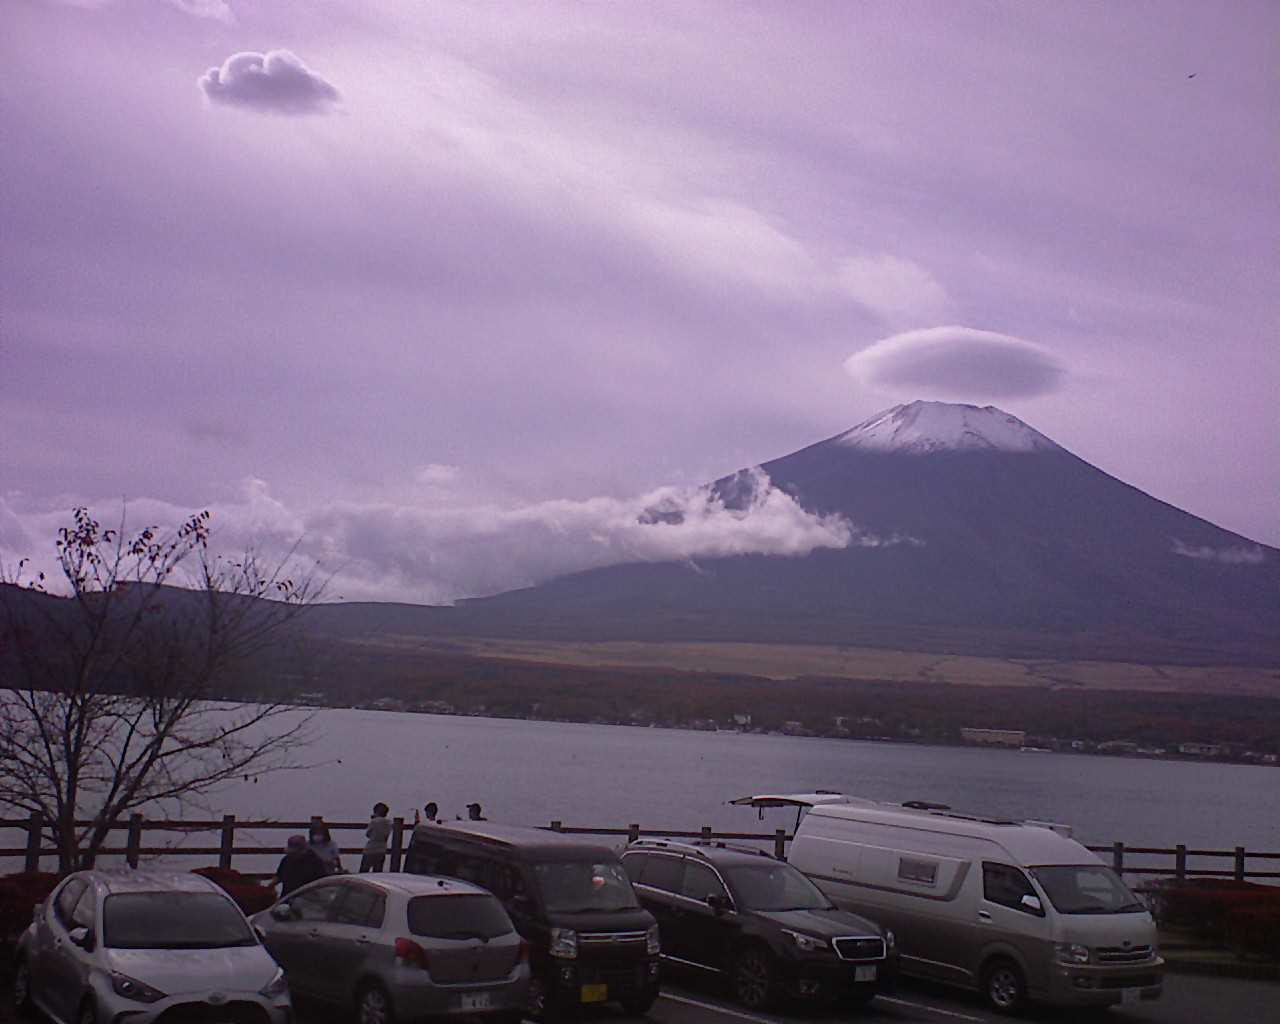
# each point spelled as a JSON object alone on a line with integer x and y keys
{"x": 564, "y": 943}
{"x": 807, "y": 943}
{"x": 890, "y": 940}
{"x": 1071, "y": 953}
{"x": 652, "y": 941}
{"x": 276, "y": 988}
{"x": 132, "y": 988}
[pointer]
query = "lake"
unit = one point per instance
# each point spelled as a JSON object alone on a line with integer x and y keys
{"x": 533, "y": 772}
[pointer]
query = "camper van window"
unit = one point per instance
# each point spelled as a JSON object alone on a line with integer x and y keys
{"x": 923, "y": 872}
{"x": 1087, "y": 889}
{"x": 1005, "y": 886}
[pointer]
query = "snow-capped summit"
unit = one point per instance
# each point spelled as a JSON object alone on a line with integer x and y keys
{"x": 921, "y": 428}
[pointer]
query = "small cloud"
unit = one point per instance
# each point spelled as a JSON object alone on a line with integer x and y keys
{"x": 1238, "y": 555}
{"x": 957, "y": 362}
{"x": 276, "y": 82}
{"x": 436, "y": 473}
{"x": 891, "y": 287}
{"x": 216, "y": 10}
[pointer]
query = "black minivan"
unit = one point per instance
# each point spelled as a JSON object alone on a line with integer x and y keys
{"x": 590, "y": 940}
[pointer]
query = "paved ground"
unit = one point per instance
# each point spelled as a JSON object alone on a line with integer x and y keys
{"x": 1188, "y": 999}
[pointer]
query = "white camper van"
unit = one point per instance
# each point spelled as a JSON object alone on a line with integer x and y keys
{"x": 1018, "y": 911}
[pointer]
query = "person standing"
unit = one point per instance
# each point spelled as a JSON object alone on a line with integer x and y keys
{"x": 376, "y": 836}
{"x": 474, "y": 813}
{"x": 298, "y": 866}
{"x": 323, "y": 846}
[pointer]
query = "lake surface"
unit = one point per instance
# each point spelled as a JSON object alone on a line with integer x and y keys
{"x": 533, "y": 772}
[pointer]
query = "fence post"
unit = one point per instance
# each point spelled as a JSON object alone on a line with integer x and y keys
{"x": 227, "y": 844}
{"x": 557, "y": 826}
{"x": 780, "y": 844}
{"x": 706, "y": 833}
{"x": 1117, "y": 858}
{"x": 633, "y": 832}
{"x": 35, "y": 826}
{"x": 134, "y": 844}
{"x": 1180, "y": 862}
{"x": 397, "y": 842}
{"x": 1239, "y": 863}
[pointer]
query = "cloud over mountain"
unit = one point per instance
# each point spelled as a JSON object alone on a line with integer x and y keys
{"x": 275, "y": 82}
{"x": 957, "y": 362}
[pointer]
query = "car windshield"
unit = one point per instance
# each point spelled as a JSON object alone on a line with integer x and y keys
{"x": 458, "y": 917}
{"x": 173, "y": 920}
{"x": 773, "y": 886}
{"x": 1086, "y": 889}
{"x": 583, "y": 885}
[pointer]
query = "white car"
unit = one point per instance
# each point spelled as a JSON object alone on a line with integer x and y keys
{"x": 146, "y": 946}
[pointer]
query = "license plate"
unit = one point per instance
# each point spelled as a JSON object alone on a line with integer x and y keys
{"x": 867, "y": 973}
{"x": 475, "y": 1000}
{"x": 1130, "y": 995}
{"x": 595, "y": 993}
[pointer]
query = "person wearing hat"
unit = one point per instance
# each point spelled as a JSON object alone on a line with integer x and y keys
{"x": 473, "y": 813}
{"x": 298, "y": 866}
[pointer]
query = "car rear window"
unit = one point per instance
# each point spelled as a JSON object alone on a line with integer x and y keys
{"x": 173, "y": 920}
{"x": 458, "y": 917}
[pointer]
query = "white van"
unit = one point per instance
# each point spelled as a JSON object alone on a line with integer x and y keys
{"x": 1018, "y": 911}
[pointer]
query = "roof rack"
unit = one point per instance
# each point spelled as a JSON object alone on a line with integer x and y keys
{"x": 698, "y": 847}
{"x": 666, "y": 844}
{"x": 925, "y": 805}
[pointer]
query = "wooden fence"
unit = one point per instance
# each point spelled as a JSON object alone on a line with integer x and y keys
{"x": 1131, "y": 860}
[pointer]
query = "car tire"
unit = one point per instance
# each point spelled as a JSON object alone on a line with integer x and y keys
{"x": 22, "y": 1001}
{"x": 373, "y": 1006}
{"x": 639, "y": 1005}
{"x": 755, "y": 978}
{"x": 1004, "y": 987}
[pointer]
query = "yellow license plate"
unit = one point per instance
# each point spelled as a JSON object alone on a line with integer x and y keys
{"x": 595, "y": 993}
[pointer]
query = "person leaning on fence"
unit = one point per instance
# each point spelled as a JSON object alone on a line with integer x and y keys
{"x": 416, "y": 860}
{"x": 298, "y": 866}
{"x": 326, "y": 849}
{"x": 376, "y": 836}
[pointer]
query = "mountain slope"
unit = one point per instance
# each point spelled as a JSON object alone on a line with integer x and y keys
{"x": 978, "y": 534}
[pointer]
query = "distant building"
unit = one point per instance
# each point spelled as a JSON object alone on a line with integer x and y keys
{"x": 1200, "y": 749}
{"x": 1117, "y": 747}
{"x": 995, "y": 737}
{"x": 742, "y": 721}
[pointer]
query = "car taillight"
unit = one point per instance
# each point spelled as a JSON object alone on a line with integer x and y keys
{"x": 523, "y": 956}
{"x": 411, "y": 953}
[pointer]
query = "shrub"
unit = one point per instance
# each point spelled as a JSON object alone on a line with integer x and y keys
{"x": 1203, "y": 906}
{"x": 19, "y": 895}
{"x": 1255, "y": 931}
{"x": 248, "y": 894}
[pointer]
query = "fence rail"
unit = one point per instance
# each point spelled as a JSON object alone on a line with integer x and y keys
{"x": 34, "y": 851}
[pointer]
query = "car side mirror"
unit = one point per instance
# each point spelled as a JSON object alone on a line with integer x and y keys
{"x": 1032, "y": 904}
{"x": 82, "y": 937}
{"x": 718, "y": 903}
{"x": 282, "y": 912}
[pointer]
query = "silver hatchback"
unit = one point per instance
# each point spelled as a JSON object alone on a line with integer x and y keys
{"x": 144, "y": 947}
{"x": 400, "y": 947}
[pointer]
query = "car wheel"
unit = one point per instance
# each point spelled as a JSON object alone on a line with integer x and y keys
{"x": 639, "y": 1004}
{"x": 373, "y": 1006}
{"x": 755, "y": 979}
{"x": 22, "y": 988}
{"x": 1004, "y": 987}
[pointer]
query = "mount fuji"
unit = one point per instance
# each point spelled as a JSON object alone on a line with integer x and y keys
{"x": 979, "y": 534}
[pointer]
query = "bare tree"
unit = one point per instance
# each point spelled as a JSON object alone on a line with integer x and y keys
{"x": 126, "y": 691}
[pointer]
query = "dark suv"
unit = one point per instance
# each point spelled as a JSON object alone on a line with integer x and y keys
{"x": 590, "y": 940}
{"x": 737, "y": 912}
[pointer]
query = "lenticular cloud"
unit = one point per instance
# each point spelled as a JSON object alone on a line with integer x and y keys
{"x": 276, "y": 82}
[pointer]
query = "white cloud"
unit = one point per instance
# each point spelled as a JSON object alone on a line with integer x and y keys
{"x": 1238, "y": 555}
{"x": 956, "y": 362}
{"x": 215, "y": 10}
{"x": 436, "y": 473}
{"x": 275, "y": 82}
{"x": 892, "y": 287}
{"x": 439, "y": 552}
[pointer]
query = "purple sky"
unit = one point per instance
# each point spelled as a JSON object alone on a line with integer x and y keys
{"x": 451, "y": 289}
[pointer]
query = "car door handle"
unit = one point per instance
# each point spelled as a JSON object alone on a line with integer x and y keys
{"x": 984, "y": 915}
{"x": 363, "y": 940}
